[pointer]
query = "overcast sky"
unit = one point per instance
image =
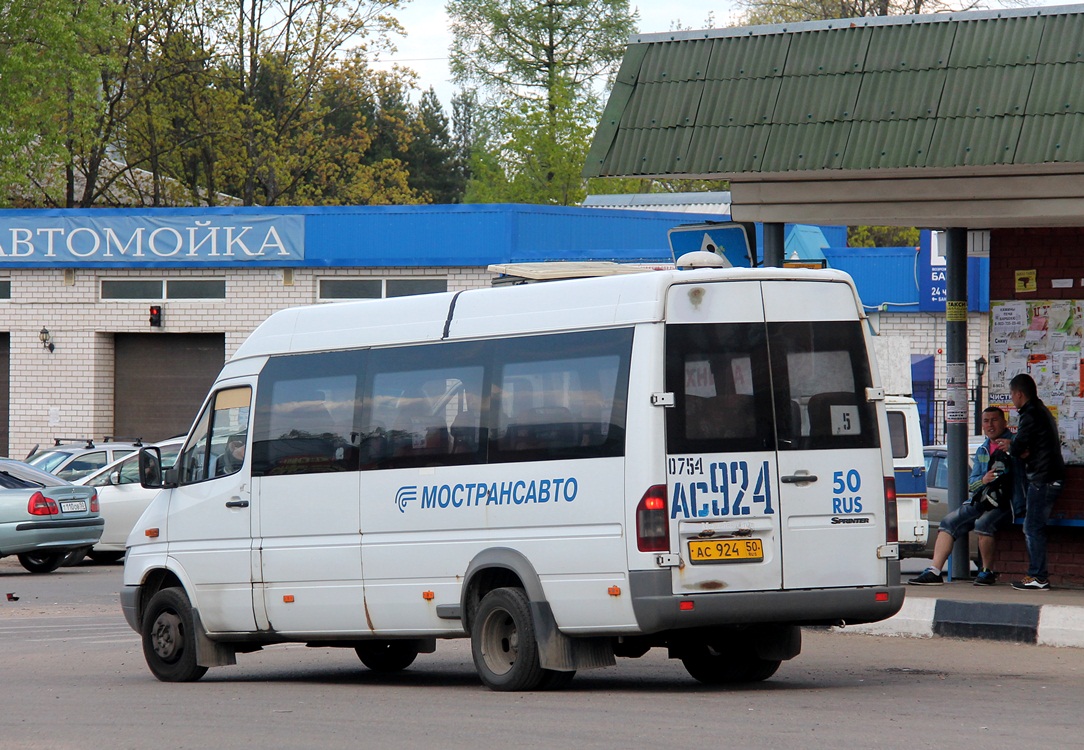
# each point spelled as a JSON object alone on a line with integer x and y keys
{"x": 425, "y": 49}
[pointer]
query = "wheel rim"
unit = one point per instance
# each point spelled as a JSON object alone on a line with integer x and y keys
{"x": 500, "y": 642}
{"x": 167, "y": 636}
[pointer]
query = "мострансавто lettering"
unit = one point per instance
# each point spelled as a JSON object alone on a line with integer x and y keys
{"x": 476, "y": 494}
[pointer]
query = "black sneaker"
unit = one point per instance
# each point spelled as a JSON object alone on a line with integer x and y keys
{"x": 986, "y": 577}
{"x": 1031, "y": 584}
{"x": 927, "y": 578}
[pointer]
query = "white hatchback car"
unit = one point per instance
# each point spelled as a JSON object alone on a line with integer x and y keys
{"x": 123, "y": 499}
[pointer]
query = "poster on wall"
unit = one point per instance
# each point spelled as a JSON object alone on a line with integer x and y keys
{"x": 1043, "y": 339}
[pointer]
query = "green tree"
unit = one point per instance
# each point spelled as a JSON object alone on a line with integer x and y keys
{"x": 364, "y": 145}
{"x": 538, "y": 156}
{"x": 538, "y": 68}
{"x": 465, "y": 139}
{"x": 275, "y": 56}
{"x": 49, "y": 84}
{"x": 882, "y": 236}
{"x": 183, "y": 117}
{"x": 431, "y": 155}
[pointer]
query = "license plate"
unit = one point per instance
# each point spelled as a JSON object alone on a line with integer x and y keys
{"x": 725, "y": 551}
{"x": 74, "y": 506}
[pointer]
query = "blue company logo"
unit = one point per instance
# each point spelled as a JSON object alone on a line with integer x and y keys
{"x": 476, "y": 494}
{"x": 405, "y": 495}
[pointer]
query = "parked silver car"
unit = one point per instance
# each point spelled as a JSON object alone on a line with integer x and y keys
{"x": 72, "y": 459}
{"x": 44, "y": 519}
{"x": 123, "y": 499}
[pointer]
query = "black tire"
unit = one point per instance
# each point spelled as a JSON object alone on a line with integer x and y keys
{"x": 42, "y": 562}
{"x": 387, "y": 656}
{"x": 169, "y": 638}
{"x": 503, "y": 642}
{"x": 716, "y": 666}
{"x": 104, "y": 556}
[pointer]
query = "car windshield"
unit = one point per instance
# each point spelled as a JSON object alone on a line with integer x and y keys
{"x": 48, "y": 460}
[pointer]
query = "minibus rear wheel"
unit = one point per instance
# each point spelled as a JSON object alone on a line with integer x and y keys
{"x": 503, "y": 642}
{"x": 169, "y": 637}
{"x": 387, "y": 656}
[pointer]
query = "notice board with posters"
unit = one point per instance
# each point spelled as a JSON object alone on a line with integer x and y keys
{"x": 1043, "y": 339}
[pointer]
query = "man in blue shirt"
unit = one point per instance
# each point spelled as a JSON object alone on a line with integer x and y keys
{"x": 974, "y": 514}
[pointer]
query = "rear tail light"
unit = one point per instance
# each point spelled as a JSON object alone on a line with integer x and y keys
{"x": 652, "y": 521}
{"x": 892, "y": 521}
{"x": 924, "y": 506}
{"x": 40, "y": 505}
{"x": 95, "y": 507}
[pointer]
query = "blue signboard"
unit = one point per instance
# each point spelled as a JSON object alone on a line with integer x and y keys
{"x": 52, "y": 239}
{"x": 931, "y": 274}
{"x": 728, "y": 240}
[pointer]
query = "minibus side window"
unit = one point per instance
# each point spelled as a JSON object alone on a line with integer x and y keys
{"x": 424, "y": 406}
{"x": 561, "y": 396}
{"x": 306, "y": 411}
{"x": 897, "y": 430}
{"x": 225, "y": 418}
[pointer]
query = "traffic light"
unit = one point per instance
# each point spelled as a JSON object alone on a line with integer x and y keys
{"x": 156, "y": 316}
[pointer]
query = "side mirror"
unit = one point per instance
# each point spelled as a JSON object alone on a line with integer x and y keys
{"x": 114, "y": 477}
{"x": 150, "y": 468}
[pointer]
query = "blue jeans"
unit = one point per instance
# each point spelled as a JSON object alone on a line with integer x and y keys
{"x": 1041, "y": 497}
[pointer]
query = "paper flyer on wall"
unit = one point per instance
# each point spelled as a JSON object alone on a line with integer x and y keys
{"x": 1043, "y": 339}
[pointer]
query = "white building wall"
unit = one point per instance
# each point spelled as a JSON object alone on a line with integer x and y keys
{"x": 69, "y": 392}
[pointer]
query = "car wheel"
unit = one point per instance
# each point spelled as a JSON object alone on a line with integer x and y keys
{"x": 169, "y": 637}
{"x": 387, "y": 656}
{"x": 503, "y": 642}
{"x": 42, "y": 562}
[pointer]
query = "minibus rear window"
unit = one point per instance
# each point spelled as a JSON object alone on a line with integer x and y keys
{"x": 742, "y": 387}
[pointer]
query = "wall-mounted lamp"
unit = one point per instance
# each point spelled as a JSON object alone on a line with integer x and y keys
{"x": 46, "y": 340}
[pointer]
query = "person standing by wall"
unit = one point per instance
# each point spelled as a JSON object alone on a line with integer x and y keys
{"x": 1037, "y": 444}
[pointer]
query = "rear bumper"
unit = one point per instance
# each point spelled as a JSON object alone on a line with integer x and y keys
{"x": 657, "y": 608}
{"x": 27, "y": 536}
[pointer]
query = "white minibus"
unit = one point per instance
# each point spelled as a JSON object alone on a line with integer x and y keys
{"x": 563, "y": 472}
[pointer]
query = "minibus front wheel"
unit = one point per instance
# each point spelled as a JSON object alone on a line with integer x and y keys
{"x": 169, "y": 637}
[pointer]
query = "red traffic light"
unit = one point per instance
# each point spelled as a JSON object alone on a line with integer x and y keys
{"x": 156, "y": 315}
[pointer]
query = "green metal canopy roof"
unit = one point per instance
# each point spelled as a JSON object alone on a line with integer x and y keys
{"x": 896, "y": 99}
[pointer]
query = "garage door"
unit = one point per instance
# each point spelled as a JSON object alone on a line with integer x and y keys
{"x": 5, "y": 359}
{"x": 161, "y": 380}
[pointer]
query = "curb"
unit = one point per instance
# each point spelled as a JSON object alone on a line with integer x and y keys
{"x": 1044, "y": 625}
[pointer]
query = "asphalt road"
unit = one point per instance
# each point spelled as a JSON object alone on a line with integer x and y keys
{"x": 73, "y": 676}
